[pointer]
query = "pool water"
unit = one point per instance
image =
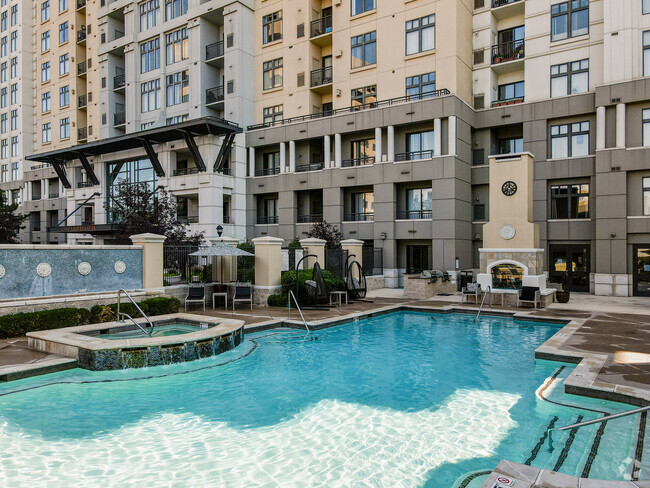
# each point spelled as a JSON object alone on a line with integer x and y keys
{"x": 406, "y": 399}
{"x": 158, "y": 331}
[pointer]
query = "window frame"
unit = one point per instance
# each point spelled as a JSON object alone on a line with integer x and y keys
{"x": 569, "y": 12}
{"x": 362, "y": 42}
{"x": 569, "y": 74}
{"x": 46, "y": 102}
{"x": 420, "y": 84}
{"x": 150, "y": 91}
{"x": 570, "y": 134}
{"x": 365, "y": 97}
{"x": 45, "y": 41}
{"x": 150, "y": 54}
{"x": 46, "y": 133}
{"x": 570, "y": 196}
{"x": 365, "y": 6}
{"x": 269, "y": 24}
{"x": 175, "y": 8}
{"x": 419, "y": 29}
{"x": 64, "y": 96}
{"x": 272, "y": 67}
{"x": 275, "y": 113}
{"x": 177, "y": 42}
{"x": 45, "y": 11}
{"x": 149, "y": 14}
{"x": 46, "y": 74}
{"x": 516, "y": 85}
{"x": 178, "y": 86}
{"x": 645, "y": 182}
{"x": 64, "y": 128}
{"x": 64, "y": 64}
{"x": 64, "y": 32}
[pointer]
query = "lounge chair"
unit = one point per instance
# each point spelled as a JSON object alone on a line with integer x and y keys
{"x": 530, "y": 294}
{"x": 243, "y": 293}
{"x": 195, "y": 294}
{"x": 472, "y": 290}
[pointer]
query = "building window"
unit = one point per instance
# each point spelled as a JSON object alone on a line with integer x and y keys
{"x": 45, "y": 41}
{"x": 511, "y": 145}
{"x": 363, "y": 207}
{"x": 14, "y": 41}
{"x": 4, "y": 174}
{"x": 63, "y": 5}
{"x": 46, "y": 102}
{"x": 150, "y": 55}
{"x": 419, "y": 145}
{"x": 64, "y": 64}
{"x": 14, "y": 68}
{"x": 363, "y": 152}
{"x": 419, "y": 203}
{"x": 646, "y": 127}
{"x": 14, "y": 171}
{"x": 177, "y": 119}
{"x": 421, "y": 34}
{"x": 175, "y": 8}
{"x": 361, "y": 6}
{"x": 421, "y": 86}
{"x": 3, "y": 97}
{"x": 64, "y": 96}
{"x": 270, "y": 164}
{"x": 511, "y": 91}
{"x": 46, "y": 133}
{"x": 4, "y": 149}
{"x": 14, "y": 146}
{"x": 273, "y": 114}
{"x": 178, "y": 88}
{"x": 65, "y": 128}
{"x": 177, "y": 44}
{"x": 272, "y": 74}
{"x": 570, "y": 140}
{"x": 3, "y": 46}
{"x": 4, "y": 21}
{"x": 365, "y": 97}
{"x": 14, "y": 15}
{"x": 45, "y": 72}
{"x": 136, "y": 172}
{"x": 3, "y": 72}
{"x": 272, "y": 27}
{"x": 569, "y": 19}
{"x": 646, "y": 53}
{"x": 149, "y": 14}
{"x": 570, "y": 201}
{"x": 570, "y": 78}
{"x": 646, "y": 6}
{"x": 646, "y": 196}
{"x": 63, "y": 33}
{"x": 14, "y": 120}
{"x": 150, "y": 95}
{"x": 4, "y": 123}
{"x": 364, "y": 49}
{"x": 45, "y": 11}
{"x": 479, "y": 212}
{"x": 14, "y": 93}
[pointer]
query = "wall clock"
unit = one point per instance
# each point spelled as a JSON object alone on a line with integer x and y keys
{"x": 509, "y": 188}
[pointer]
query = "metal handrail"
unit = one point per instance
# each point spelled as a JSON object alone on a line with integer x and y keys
{"x": 136, "y": 324}
{"x": 119, "y": 293}
{"x": 480, "y": 309}
{"x": 594, "y": 421}
{"x": 298, "y": 307}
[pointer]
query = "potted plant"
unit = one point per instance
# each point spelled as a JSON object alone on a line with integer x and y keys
{"x": 562, "y": 296}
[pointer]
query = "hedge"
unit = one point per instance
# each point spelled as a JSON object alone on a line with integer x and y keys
{"x": 277, "y": 300}
{"x": 332, "y": 283}
{"x": 19, "y": 324}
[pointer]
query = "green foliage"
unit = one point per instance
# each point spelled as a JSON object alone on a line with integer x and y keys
{"x": 277, "y": 300}
{"x": 295, "y": 244}
{"x": 332, "y": 283}
{"x": 246, "y": 264}
{"x": 326, "y": 231}
{"x": 10, "y": 221}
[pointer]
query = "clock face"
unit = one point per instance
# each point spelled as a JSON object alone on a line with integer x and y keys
{"x": 509, "y": 188}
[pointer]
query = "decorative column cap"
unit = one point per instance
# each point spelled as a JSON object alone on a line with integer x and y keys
{"x": 146, "y": 238}
{"x": 268, "y": 241}
{"x": 352, "y": 242}
{"x": 313, "y": 242}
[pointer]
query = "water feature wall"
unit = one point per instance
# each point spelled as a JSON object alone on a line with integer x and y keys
{"x": 40, "y": 270}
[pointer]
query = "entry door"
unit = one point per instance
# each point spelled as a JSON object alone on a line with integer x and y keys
{"x": 641, "y": 279}
{"x": 570, "y": 265}
{"x": 418, "y": 259}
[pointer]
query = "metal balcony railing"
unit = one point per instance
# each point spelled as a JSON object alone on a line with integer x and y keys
{"x": 35, "y": 227}
{"x": 501, "y": 3}
{"x": 267, "y": 171}
{"x": 322, "y": 76}
{"x": 268, "y": 219}
{"x": 188, "y": 219}
{"x": 85, "y": 184}
{"x": 310, "y": 219}
{"x": 82, "y": 101}
{"x": 119, "y": 119}
{"x": 213, "y": 51}
{"x": 119, "y": 81}
{"x": 360, "y": 217}
{"x": 36, "y": 197}
{"x": 364, "y": 161}
{"x": 81, "y": 68}
{"x": 415, "y": 215}
{"x": 81, "y": 34}
{"x": 321, "y": 26}
{"x": 508, "y": 101}
{"x": 508, "y": 51}
{"x": 186, "y": 171}
{"x": 41, "y": 166}
{"x": 414, "y": 155}
{"x": 81, "y": 4}
{"x": 82, "y": 133}
{"x": 309, "y": 167}
{"x": 53, "y": 195}
{"x": 226, "y": 219}
{"x": 214, "y": 95}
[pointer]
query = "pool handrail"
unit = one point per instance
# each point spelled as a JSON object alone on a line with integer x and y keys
{"x": 119, "y": 293}
{"x": 594, "y": 421}
{"x": 480, "y": 309}
{"x": 291, "y": 294}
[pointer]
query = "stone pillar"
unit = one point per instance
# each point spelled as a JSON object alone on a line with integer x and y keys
{"x": 452, "y": 135}
{"x": 337, "y": 151}
{"x": 601, "y": 128}
{"x": 228, "y": 262}
{"x": 437, "y": 137}
{"x": 327, "y": 145}
{"x": 152, "y": 259}
{"x": 378, "y": 145}
{"x": 354, "y": 247}
{"x": 316, "y": 247}
{"x": 268, "y": 266}
{"x": 391, "y": 143}
{"x": 251, "y": 161}
{"x": 292, "y": 156}
{"x": 620, "y": 125}
{"x": 283, "y": 157}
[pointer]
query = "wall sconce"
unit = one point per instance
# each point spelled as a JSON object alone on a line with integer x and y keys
{"x": 612, "y": 235}
{"x": 383, "y": 236}
{"x": 338, "y": 92}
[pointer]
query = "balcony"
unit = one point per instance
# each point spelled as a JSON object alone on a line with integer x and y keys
{"x": 85, "y": 184}
{"x": 509, "y": 56}
{"x": 309, "y": 167}
{"x": 119, "y": 119}
{"x": 81, "y": 34}
{"x": 414, "y": 155}
{"x": 185, "y": 171}
{"x": 188, "y": 219}
{"x": 270, "y": 219}
{"x": 503, "y": 9}
{"x": 267, "y": 171}
{"x": 82, "y": 68}
{"x": 364, "y": 161}
{"x": 119, "y": 81}
{"x": 82, "y": 101}
{"x": 40, "y": 166}
{"x": 415, "y": 215}
{"x": 360, "y": 217}
{"x": 214, "y": 53}
{"x": 321, "y": 31}
{"x": 81, "y": 4}
{"x": 53, "y": 195}
{"x": 509, "y": 101}
{"x": 321, "y": 77}
{"x": 82, "y": 134}
{"x": 214, "y": 95}
{"x": 310, "y": 219}
{"x": 36, "y": 197}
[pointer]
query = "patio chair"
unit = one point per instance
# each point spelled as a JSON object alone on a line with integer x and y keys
{"x": 472, "y": 290}
{"x": 243, "y": 294}
{"x": 195, "y": 294}
{"x": 530, "y": 294}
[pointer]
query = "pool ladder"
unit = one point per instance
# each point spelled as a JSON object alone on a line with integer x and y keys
{"x": 122, "y": 314}
{"x": 488, "y": 290}
{"x": 291, "y": 294}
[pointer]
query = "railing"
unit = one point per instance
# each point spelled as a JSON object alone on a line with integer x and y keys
{"x": 509, "y": 101}
{"x": 360, "y": 217}
{"x": 81, "y": 35}
{"x": 85, "y": 184}
{"x": 267, "y": 171}
{"x": 415, "y": 215}
{"x": 188, "y": 219}
{"x": 119, "y": 314}
{"x": 372, "y": 260}
{"x": 185, "y": 171}
{"x": 119, "y": 81}
{"x": 309, "y": 167}
{"x": 414, "y": 155}
{"x": 87, "y": 222}
{"x": 81, "y": 4}
{"x": 501, "y": 3}
{"x": 82, "y": 133}
{"x": 118, "y": 34}
{"x": 81, "y": 68}
{"x": 295, "y": 300}
{"x": 35, "y": 227}
{"x": 53, "y": 195}
{"x": 214, "y": 50}
{"x": 508, "y": 51}
{"x": 321, "y": 26}
{"x": 321, "y": 76}
{"x": 488, "y": 290}
{"x": 36, "y": 197}
{"x": 310, "y": 219}
{"x": 364, "y": 161}
{"x": 226, "y": 219}
{"x": 356, "y": 108}
{"x": 41, "y": 166}
{"x": 119, "y": 118}
{"x": 214, "y": 95}
{"x": 272, "y": 219}
{"x": 225, "y": 171}
{"x": 82, "y": 101}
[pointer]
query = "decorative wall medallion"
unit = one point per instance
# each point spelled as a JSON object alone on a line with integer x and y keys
{"x": 509, "y": 188}
{"x": 507, "y": 232}
{"x": 43, "y": 270}
{"x": 2, "y": 271}
{"x": 119, "y": 267}
{"x": 84, "y": 268}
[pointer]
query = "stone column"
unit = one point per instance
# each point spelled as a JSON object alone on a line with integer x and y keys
{"x": 283, "y": 157}
{"x": 391, "y": 143}
{"x": 452, "y": 135}
{"x": 354, "y": 247}
{"x": 620, "y": 125}
{"x": 316, "y": 247}
{"x": 601, "y": 128}
{"x": 152, "y": 259}
{"x": 228, "y": 262}
{"x": 268, "y": 268}
{"x": 251, "y": 161}
{"x": 378, "y": 145}
{"x": 437, "y": 137}
{"x": 327, "y": 146}
{"x": 337, "y": 151}
{"x": 292, "y": 156}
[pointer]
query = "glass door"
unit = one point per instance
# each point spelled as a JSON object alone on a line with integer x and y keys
{"x": 570, "y": 266}
{"x": 641, "y": 279}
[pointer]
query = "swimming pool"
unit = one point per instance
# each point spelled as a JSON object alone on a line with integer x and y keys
{"x": 404, "y": 399}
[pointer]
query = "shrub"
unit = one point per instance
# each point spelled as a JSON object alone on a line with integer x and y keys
{"x": 332, "y": 283}
{"x": 160, "y": 305}
{"x": 277, "y": 300}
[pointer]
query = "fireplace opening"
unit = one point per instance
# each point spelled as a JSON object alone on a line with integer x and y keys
{"x": 507, "y": 276}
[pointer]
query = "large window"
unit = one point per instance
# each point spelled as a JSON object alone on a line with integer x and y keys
{"x": 364, "y": 97}
{"x": 63, "y": 5}
{"x": 45, "y": 11}
{"x": 45, "y": 41}
{"x": 646, "y": 196}
{"x": 361, "y": 6}
{"x": 570, "y": 78}
{"x": 570, "y": 201}
{"x": 46, "y": 102}
{"x": 125, "y": 173}
{"x": 511, "y": 91}
{"x": 65, "y": 128}
{"x": 14, "y": 120}
{"x": 14, "y": 146}
{"x": 646, "y": 127}
{"x": 421, "y": 34}
{"x": 149, "y": 14}
{"x": 272, "y": 73}
{"x": 150, "y": 95}
{"x": 64, "y": 64}
{"x": 175, "y": 8}
{"x": 273, "y": 114}
{"x": 63, "y": 33}
{"x": 646, "y": 53}
{"x": 150, "y": 55}
{"x": 177, "y": 44}
{"x": 46, "y": 133}
{"x": 14, "y": 93}
{"x": 420, "y": 145}
{"x": 418, "y": 203}
{"x": 178, "y": 88}
{"x": 14, "y": 41}
{"x": 272, "y": 27}
{"x": 363, "y": 206}
{"x": 14, "y": 15}
{"x": 14, "y": 68}
{"x": 364, "y": 49}
{"x": 646, "y": 6}
{"x": 45, "y": 72}
{"x": 4, "y": 173}
{"x": 270, "y": 164}
{"x": 570, "y": 140}
{"x": 362, "y": 151}
{"x": 569, "y": 19}
{"x": 421, "y": 86}
{"x": 64, "y": 96}
{"x": 511, "y": 145}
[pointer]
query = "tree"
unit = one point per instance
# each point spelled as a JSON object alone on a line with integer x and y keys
{"x": 327, "y": 232}
{"x": 137, "y": 210}
{"x": 10, "y": 221}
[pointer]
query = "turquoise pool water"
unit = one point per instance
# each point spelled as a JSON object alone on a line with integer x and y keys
{"x": 406, "y": 399}
{"x": 158, "y": 331}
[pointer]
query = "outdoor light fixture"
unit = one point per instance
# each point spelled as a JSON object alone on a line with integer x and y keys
{"x": 457, "y": 263}
{"x": 219, "y": 230}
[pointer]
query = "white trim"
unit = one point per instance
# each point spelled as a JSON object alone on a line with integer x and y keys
{"x": 507, "y": 261}
{"x": 259, "y": 287}
{"x": 509, "y": 250}
{"x": 638, "y": 216}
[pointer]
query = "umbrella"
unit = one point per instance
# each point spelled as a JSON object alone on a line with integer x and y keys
{"x": 221, "y": 250}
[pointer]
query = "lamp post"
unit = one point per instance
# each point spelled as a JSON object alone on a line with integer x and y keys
{"x": 219, "y": 230}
